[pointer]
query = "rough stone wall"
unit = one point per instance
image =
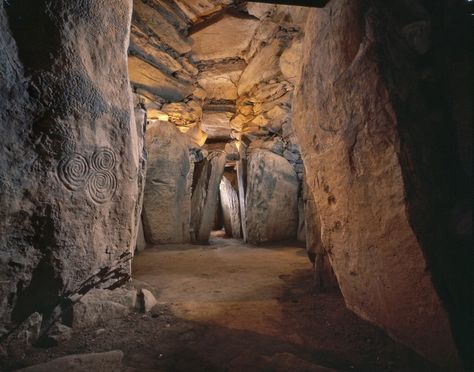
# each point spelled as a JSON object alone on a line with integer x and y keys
{"x": 70, "y": 160}
{"x": 350, "y": 125}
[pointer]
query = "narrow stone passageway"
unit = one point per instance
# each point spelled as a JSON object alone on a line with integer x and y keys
{"x": 257, "y": 305}
{"x": 228, "y": 306}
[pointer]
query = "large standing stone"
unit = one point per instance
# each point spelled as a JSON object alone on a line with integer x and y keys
{"x": 347, "y": 127}
{"x": 70, "y": 158}
{"x": 272, "y": 198}
{"x": 208, "y": 176}
{"x": 230, "y": 208}
{"x": 167, "y": 199}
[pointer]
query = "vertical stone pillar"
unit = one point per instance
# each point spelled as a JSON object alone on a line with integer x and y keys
{"x": 205, "y": 195}
{"x": 352, "y": 129}
{"x": 70, "y": 169}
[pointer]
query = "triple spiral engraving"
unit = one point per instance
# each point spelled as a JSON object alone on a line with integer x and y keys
{"x": 95, "y": 174}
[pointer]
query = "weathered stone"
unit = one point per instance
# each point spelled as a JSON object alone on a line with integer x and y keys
{"x": 147, "y": 300}
{"x": 205, "y": 194}
{"x": 264, "y": 66}
{"x": 226, "y": 37}
{"x": 161, "y": 27}
{"x": 356, "y": 177}
{"x": 110, "y": 361}
{"x": 142, "y": 46}
{"x": 181, "y": 113}
{"x": 195, "y": 10}
{"x": 260, "y": 10}
{"x": 197, "y": 135}
{"x": 230, "y": 208}
{"x": 220, "y": 80}
{"x": 290, "y": 61}
{"x": 167, "y": 198}
{"x": 141, "y": 242}
{"x": 100, "y": 305}
{"x": 58, "y": 334}
{"x": 69, "y": 187}
{"x": 217, "y": 124}
{"x": 24, "y": 336}
{"x": 147, "y": 77}
{"x": 272, "y": 198}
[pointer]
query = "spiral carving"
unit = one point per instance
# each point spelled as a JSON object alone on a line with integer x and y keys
{"x": 101, "y": 186}
{"x": 73, "y": 171}
{"x": 103, "y": 159}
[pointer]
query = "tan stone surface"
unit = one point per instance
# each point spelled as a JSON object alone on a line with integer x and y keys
{"x": 167, "y": 199}
{"x": 347, "y": 129}
{"x": 271, "y": 200}
{"x": 145, "y": 76}
{"x": 228, "y": 37}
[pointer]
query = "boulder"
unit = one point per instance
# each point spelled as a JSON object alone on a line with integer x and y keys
{"x": 100, "y": 305}
{"x": 272, "y": 198}
{"x": 110, "y": 361}
{"x": 147, "y": 300}
{"x": 225, "y": 37}
{"x": 230, "y": 209}
{"x": 208, "y": 175}
{"x": 167, "y": 198}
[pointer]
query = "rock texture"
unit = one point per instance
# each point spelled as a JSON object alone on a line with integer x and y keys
{"x": 272, "y": 198}
{"x": 167, "y": 198}
{"x": 348, "y": 128}
{"x": 230, "y": 208}
{"x": 207, "y": 177}
{"x": 225, "y": 37}
{"x": 69, "y": 172}
{"x": 100, "y": 305}
{"x": 110, "y": 361}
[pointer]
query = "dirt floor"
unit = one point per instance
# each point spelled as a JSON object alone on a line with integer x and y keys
{"x": 231, "y": 307}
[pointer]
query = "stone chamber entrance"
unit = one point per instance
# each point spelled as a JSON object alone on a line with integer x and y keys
{"x": 227, "y": 185}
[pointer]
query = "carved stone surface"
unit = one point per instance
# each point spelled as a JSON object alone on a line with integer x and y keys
{"x": 167, "y": 198}
{"x": 69, "y": 173}
{"x": 272, "y": 198}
